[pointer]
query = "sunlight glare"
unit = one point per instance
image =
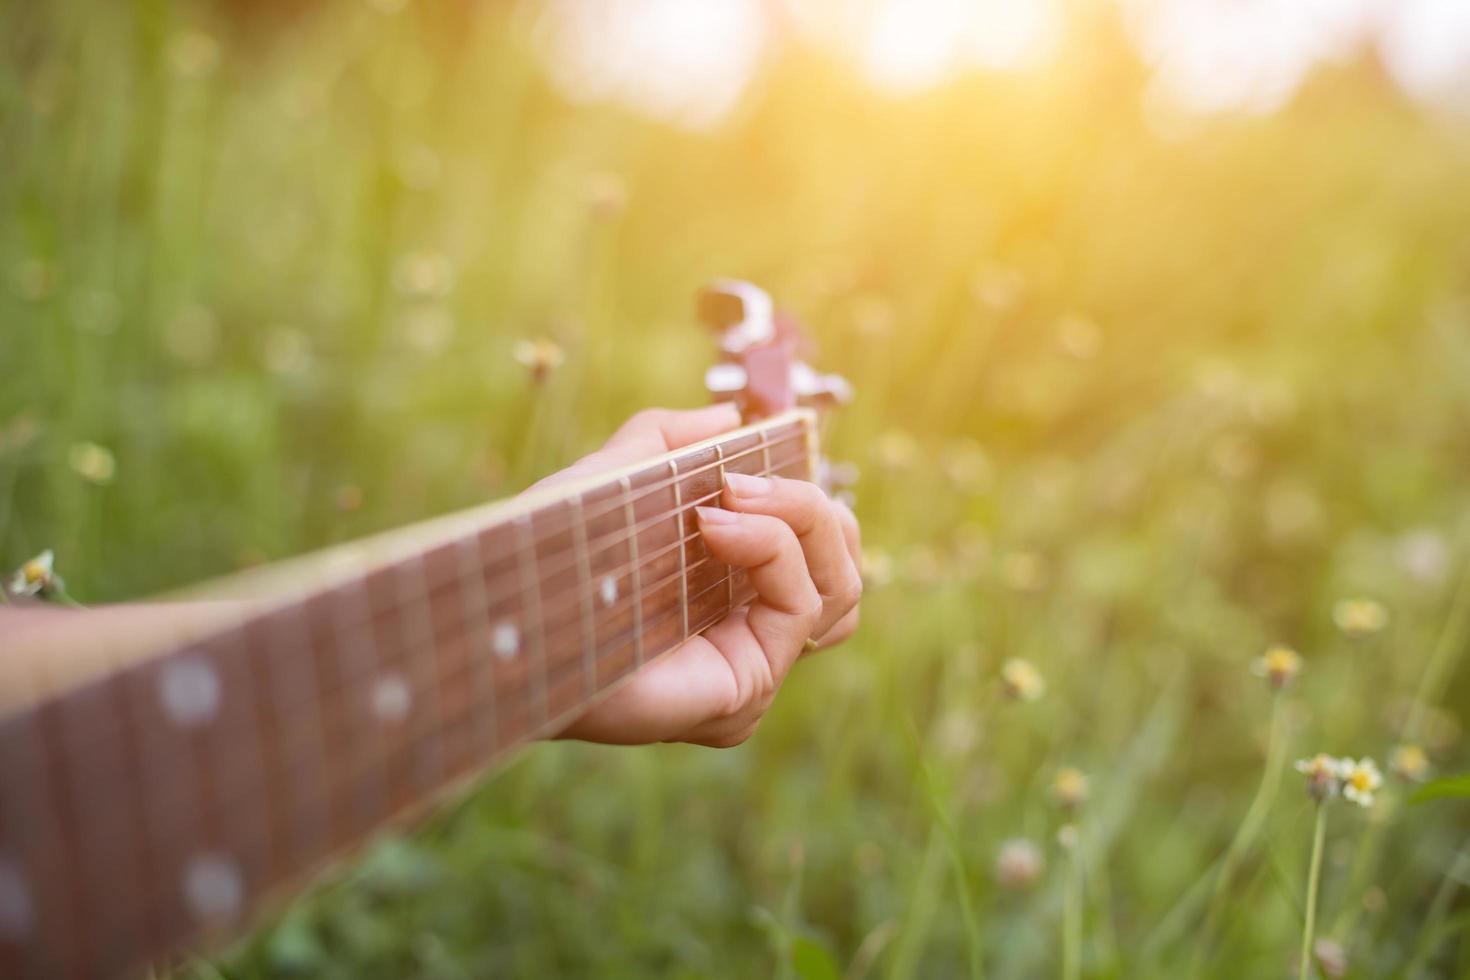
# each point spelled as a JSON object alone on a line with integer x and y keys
{"x": 684, "y": 62}
{"x": 914, "y": 44}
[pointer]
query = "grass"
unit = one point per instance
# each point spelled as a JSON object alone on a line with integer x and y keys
{"x": 1131, "y": 407}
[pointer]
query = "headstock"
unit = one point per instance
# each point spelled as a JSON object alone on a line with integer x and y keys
{"x": 760, "y": 367}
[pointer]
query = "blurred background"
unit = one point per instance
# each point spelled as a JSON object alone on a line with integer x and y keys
{"x": 1159, "y": 316}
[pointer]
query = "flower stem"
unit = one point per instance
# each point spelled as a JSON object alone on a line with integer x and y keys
{"x": 1072, "y": 917}
{"x": 1249, "y": 830}
{"x": 1313, "y": 874}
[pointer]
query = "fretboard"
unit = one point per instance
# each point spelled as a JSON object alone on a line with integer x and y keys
{"x": 156, "y": 795}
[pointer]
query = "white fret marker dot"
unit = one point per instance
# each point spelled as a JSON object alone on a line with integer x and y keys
{"x": 189, "y": 690}
{"x": 17, "y": 912}
{"x": 505, "y": 640}
{"x": 391, "y": 698}
{"x": 213, "y": 887}
{"x": 609, "y": 590}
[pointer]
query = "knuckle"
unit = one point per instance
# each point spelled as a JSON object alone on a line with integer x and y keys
{"x": 811, "y": 611}
{"x": 810, "y": 501}
{"x": 848, "y": 598}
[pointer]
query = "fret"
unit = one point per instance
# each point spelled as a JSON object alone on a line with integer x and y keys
{"x": 173, "y": 700}
{"x": 679, "y": 536}
{"x": 481, "y": 643}
{"x": 233, "y": 863}
{"x": 625, "y": 485}
{"x": 303, "y": 768}
{"x": 535, "y": 628}
{"x": 395, "y": 693}
{"x": 444, "y": 612}
{"x": 584, "y": 591}
{"x": 730, "y": 591}
{"x": 261, "y": 806}
{"x": 357, "y": 658}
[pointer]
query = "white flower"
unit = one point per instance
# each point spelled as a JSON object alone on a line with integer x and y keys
{"x": 1359, "y": 779}
{"x": 1020, "y": 679}
{"x": 1323, "y": 774}
{"x": 36, "y": 576}
{"x": 540, "y": 356}
{"x": 1278, "y": 665}
{"x": 1019, "y": 863}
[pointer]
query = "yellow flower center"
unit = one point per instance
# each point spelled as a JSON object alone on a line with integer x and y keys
{"x": 34, "y": 571}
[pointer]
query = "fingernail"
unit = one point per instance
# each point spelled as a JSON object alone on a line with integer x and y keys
{"x": 714, "y": 515}
{"x": 744, "y": 485}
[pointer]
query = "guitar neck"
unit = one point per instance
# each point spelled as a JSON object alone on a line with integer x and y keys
{"x": 156, "y": 794}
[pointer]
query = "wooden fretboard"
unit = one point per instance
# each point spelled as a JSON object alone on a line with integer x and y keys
{"x": 150, "y": 801}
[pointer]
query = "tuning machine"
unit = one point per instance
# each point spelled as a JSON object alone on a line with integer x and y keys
{"x": 759, "y": 368}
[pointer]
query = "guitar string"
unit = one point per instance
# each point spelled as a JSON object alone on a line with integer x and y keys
{"x": 567, "y": 558}
{"x": 319, "y": 690}
{"x": 462, "y": 632}
{"x": 629, "y": 533}
{"x": 43, "y": 682}
{"x": 570, "y": 599}
{"x": 339, "y": 785}
{"x": 411, "y": 738}
{"x": 340, "y": 782}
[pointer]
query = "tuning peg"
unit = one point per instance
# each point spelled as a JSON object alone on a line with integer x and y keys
{"x": 819, "y": 390}
{"x": 836, "y": 476}
{"x": 837, "y": 479}
{"x": 725, "y": 381}
{"x": 759, "y": 369}
{"x": 741, "y": 312}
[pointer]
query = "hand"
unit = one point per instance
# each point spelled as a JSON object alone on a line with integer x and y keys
{"x": 801, "y": 552}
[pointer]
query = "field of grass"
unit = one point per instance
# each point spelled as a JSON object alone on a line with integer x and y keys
{"x": 1139, "y": 397}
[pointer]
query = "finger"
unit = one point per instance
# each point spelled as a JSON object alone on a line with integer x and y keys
{"x": 658, "y": 430}
{"x": 852, "y": 533}
{"x": 787, "y": 604}
{"x": 668, "y": 699}
{"x": 840, "y": 631}
{"x": 811, "y": 515}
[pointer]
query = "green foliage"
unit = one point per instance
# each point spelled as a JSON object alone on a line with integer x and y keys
{"x": 1135, "y": 401}
{"x": 1449, "y": 788}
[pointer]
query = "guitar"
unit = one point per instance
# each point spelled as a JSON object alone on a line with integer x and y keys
{"x": 162, "y": 788}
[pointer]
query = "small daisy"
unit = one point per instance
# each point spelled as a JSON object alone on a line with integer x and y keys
{"x": 1020, "y": 680}
{"x": 1323, "y": 776}
{"x": 540, "y": 356}
{"x": 1360, "y": 617}
{"x": 1069, "y": 788}
{"x": 1409, "y": 762}
{"x": 1279, "y": 665}
{"x": 35, "y": 577}
{"x": 1359, "y": 779}
{"x": 1019, "y": 863}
